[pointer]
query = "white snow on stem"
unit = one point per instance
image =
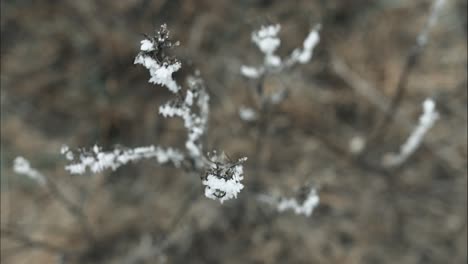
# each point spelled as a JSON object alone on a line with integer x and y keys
{"x": 306, "y": 207}
{"x": 98, "y": 161}
{"x": 426, "y": 121}
{"x": 223, "y": 181}
{"x": 160, "y": 73}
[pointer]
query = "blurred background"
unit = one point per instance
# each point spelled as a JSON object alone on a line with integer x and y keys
{"x": 67, "y": 77}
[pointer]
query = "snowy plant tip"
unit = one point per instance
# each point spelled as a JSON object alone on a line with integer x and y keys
{"x": 97, "y": 160}
{"x": 267, "y": 41}
{"x": 154, "y": 58}
{"x": 426, "y": 121}
{"x": 267, "y": 38}
{"x": 223, "y": 179}
{"x": 304, "y": 54}
{"x": 21, "y": 166}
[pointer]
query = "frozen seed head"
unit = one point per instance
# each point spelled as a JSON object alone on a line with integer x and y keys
{"x": 223, "y": 180}
{"x": 154, "y": 58}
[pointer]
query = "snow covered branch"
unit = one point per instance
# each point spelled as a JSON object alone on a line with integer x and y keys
{"x": 97, "y": 160}
{"x": 223, "y": 178}
{"x": 426, "y": 121}
{"x": 267, "y": 40}
{"x": 304, "y": 204}
{"x": 194, "y": 111}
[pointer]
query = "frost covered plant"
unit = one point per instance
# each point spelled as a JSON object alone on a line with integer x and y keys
{"x": 153, "y": 57}
{"x": 267, "y": 40}
{"x": 426, "y": 121}
{"x": 195, "y": 121}
{"x": 305, "y": 202}
{"x": 97, "y": 160}
{"x": 222, "y": 178}
{"x": 194, "y": 108}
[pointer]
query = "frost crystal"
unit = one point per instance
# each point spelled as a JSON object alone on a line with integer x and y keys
{"x": 426, "y": 121}
{"x": 22, "y": 166}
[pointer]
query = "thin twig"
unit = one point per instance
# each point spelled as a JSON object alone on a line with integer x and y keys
{"x": 262, "y": 127}
{"x": 411, "y": 61}
{"x": 380, "y": 102}
{"x": 72, "y": 208}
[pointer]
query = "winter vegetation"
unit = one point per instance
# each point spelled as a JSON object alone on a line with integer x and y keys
{"x": 212, "y": 141}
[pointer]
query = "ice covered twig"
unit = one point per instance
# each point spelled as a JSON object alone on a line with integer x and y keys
{"x": 194, "y": 111}
{"x": 268, "y": 41}
{"x": 304, "y": 204}
{"x": 194, "y": 108}
{"x": 98, "y": 160}
{"x": 222, "y": 179}
{"x": 426, "y": 121}
{"x": 304, "y": 54}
